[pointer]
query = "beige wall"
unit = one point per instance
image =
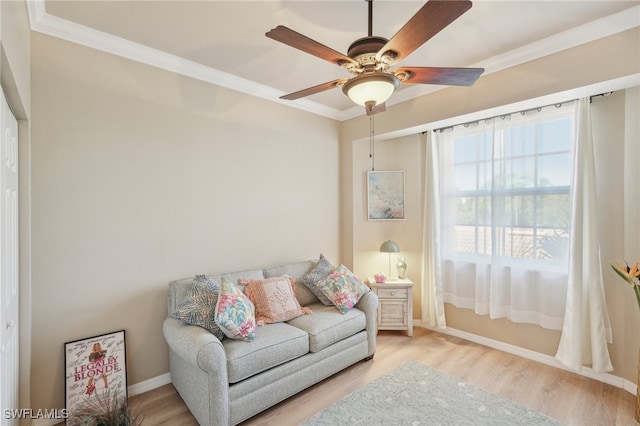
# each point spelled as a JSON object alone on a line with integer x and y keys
{"x": 602, "y": 60}
{"x": 141, "y": 176}
{"x": 15, "y": 77}
{"x": 398, "y": 154}
{"x": 616, "y": 130}
{"x": 631, "y": 250}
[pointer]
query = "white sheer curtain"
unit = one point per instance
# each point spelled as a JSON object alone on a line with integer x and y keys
{"x": 496, "y": 218}
{"x": 432, "y": 294}
{"x": 510, "y": 233}
{"x": 586, "y": 330}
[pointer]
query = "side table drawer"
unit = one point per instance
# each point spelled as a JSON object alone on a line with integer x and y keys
{"x": 392, "y": 293}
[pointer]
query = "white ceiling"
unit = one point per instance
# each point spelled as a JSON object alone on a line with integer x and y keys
{"x": 223, "y": 42}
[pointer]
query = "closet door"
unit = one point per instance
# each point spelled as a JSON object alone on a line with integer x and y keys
{"x": 9, "y": 335}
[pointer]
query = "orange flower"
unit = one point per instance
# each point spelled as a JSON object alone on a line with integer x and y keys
{"x": 633, "y": 271}
{"x": 631, "y": 274}
{"x": 627, "y": 273}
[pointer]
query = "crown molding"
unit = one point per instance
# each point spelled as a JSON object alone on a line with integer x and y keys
{"x": 53, "y": 26}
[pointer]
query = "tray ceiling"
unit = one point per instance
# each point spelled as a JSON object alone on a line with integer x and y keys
{"x": 223, "y": 42}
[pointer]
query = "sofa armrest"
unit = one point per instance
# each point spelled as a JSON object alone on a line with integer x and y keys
{"x": 196, "y": 345}
{"x": 369, "y": 305}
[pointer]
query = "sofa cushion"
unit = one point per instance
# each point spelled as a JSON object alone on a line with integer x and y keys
{"x": 235, "y": 314}
{"x": 274, "y": 344}
{"x": 312, "y": 278}
{"x": 327, "y": 326}
{"x": 274, "y": 298}
{"x": 296, "y": 270}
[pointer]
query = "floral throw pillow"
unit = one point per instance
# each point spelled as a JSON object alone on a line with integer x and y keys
{"x": 235, "y": 314}
{"x": 343, "y": 288}
{"x": 199, "y": 306}
{"x": 312, "y": 278}
{"x": 274, "y": 298}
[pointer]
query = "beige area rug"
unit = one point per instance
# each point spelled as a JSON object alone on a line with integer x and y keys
{"x": 414, "y": 394}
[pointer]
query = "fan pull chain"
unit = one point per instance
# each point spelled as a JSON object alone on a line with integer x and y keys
{"x": 370, "y": 18}
{"x": 372, "y": 145}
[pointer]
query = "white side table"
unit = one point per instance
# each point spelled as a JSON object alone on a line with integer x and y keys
{"x": 395, "y": 309}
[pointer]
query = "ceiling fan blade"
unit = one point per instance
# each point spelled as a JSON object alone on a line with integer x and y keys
{"x": 294, "y": 39}
{"x": 313, "y": 90}
{"x": 374, "y": 109}
{"x": 435, "y": 75}
{"x": 427, "y": 22}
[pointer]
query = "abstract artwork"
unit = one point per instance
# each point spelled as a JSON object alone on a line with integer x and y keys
{"x": 385, "y": 195}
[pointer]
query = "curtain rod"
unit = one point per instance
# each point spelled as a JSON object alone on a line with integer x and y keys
{"x": 599, "y": 94}
{"x": 556, "y": 104}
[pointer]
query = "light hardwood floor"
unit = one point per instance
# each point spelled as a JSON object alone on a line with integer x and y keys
{"x": 568, "y": 397}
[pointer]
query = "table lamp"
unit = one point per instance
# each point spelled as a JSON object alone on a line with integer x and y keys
{"x": 390, "y": 247}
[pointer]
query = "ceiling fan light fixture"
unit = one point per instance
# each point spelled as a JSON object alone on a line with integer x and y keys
{"x": 367, "y": 88}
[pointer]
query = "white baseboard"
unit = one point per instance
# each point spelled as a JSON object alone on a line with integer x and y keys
{"x": 147, "y": 385}
{"x": 610, "y": 379}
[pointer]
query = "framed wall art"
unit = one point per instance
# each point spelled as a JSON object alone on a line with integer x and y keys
{"x": 95, "y": 368}
{"x": 385, "y": 195}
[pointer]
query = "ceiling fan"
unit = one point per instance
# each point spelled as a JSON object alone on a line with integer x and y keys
{"x": 370, "y": 59}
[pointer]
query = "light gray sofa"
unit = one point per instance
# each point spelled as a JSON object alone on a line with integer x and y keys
{"x": 226, "y": 382}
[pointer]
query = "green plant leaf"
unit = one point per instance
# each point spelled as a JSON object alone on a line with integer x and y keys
{"x": 623, "y": 274}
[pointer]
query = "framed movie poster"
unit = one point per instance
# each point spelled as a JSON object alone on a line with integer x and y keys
{"x": 385, "y": 195}
{"x": 95, "y": 368}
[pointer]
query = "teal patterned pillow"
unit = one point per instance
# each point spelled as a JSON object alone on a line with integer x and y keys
{"x": 235, "y": 314}
{"x": 343, "y": 288}
{"x": 312, "y": 278}
{"x": 199, "y": 306}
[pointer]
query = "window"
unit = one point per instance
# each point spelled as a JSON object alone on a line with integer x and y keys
{"x": 511, "y": 188}
{"x": 504, "y": 194}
